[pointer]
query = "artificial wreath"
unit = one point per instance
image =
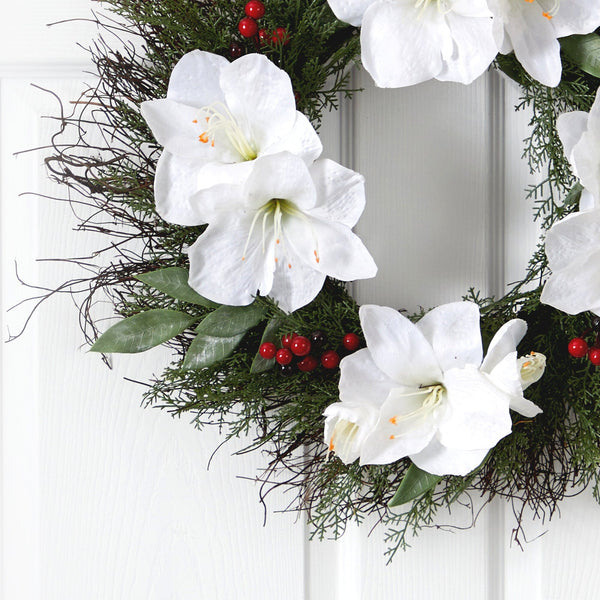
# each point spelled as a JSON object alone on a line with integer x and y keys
{"x": 199, "y": 141}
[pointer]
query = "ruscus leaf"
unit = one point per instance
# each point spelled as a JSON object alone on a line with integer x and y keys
{"x": 143, "y": 331}
{"x": 229, "y": 321}
{"x": 415, "y": 483}
{"x": 173, "y": 281}
{"x": 206, "y": 350}
{"x": 584, "y": 51}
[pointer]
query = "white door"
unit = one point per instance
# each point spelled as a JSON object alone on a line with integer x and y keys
{"x": 103, "y": 500}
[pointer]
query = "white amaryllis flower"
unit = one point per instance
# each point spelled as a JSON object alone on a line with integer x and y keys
{"x": 531, "y": 29}
{"x": 279, "y": 233}
{"x": 425, "y": 391}
{"x": 217, "y": 118}
{"x": 573, "y": 244}
{"x": 404, "y": 42}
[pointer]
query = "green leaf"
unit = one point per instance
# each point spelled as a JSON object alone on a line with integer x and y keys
{"x": 228, "y": 321}
{"x": 260, "y": 364}
{"x": 415, "y": 483}
{"x": 173, "y": 281}
{"x": 220, "y": 332}
{"x": 206, "y": 350}
{"x": 584, "y": 51}
{"x": 143, "y": 331}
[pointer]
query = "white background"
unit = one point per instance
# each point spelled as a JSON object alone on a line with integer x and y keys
{"x": 103, "y": 500}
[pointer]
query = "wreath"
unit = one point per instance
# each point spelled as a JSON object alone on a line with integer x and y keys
{"x": 231, "y": 241}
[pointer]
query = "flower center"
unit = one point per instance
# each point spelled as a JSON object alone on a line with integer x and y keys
{"x": 549, "y": 7}
{"x": 442, "y": 5}
{"x": 218, "y": 119}
{"x": 276, "y": 209}
{"x": 433, "y": 397}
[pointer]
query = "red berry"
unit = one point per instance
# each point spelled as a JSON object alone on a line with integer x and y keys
{"x": 594, "y": 356}
{"x": 286, "y": 340}
{"x": 351, "y": 342}
{"x": 308, "y": 363}
{"x": 578, "y": 347}
{"x": 263, "y": 36}
{"x": 267, "y": 350}
{"x": 248, "y": 27}
{"x": 280, "y": 36}
{"x": 235, "y": 50}
{"x": 300, "y": 345}
{"x": 255, "y": 9}
{"x": 330, "y": 359}
{"x": 284, "y": 356}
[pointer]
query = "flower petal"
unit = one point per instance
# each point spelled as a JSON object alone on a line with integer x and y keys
{"x": 570, "y": 127}
{"x": 175, "y": 182}
{"x": 398, "y": 347}
{"x": 477, "y": 415}
{"x": 348, "y": 447}
{"x": 302, "y": 140}
{"x": 474, "y": 48}
{"x": 260, "y": 96}
{"x": 504, "y": 342}
{"x": 439, "y": 460}
{"x": 330, "y": 248}
{"x": 399, "y": 433}
{"x": 401, "y": 46}
{"x": 575, "y": 288}
{"x": 217, "y": 270}
{"x": 340, "y": 192}
{"x": 576, "y": 16}
{"x": 572, "y": 239}
{"x": 350, "y": 11}
{"x": 362, "y": 381}
{"x": 534, "y": 41}
{"x": 454, "y": 334}
{"x": 294, "y": 286}
{"x": 195, "y": 79}
{"x": 506, "y": 375}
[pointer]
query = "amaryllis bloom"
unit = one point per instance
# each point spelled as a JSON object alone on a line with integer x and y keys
{"x": 279, "y": 233}
{"x": 573, "y": 244}
{"x": 404, "y": 42}
{"x": 217, "y": 118}
{"x": 531, "y": 29}
{"x": 425, "y": 391}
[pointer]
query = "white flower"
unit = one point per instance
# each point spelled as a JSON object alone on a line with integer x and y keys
{"x": 216, "y": 119}
{"x": 531, "y": 29}
{"x": 280, "y": 233}
{"x": 404, "y": 42}
{"x": 437, "y": 401}
{"x": 531, "y": 368}
{"x": 573, "y": 244}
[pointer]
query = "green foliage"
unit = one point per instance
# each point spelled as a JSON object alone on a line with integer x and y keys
{"x": 415, "y": 483}
{"x": 143, "y": 331}
{"x": 173, "y": 281}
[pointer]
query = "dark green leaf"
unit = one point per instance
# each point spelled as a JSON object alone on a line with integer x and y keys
{"x": 415, "y": 483}
{"x": 173, "y": 281}
{"x": 220, "y": 332}
{"x": 228, "y": 321}
{"x": 143, "y": 331}
{"x": 583, "y": 51}
{"x": 206, "y": 350}
{"x": 260, "y": 364}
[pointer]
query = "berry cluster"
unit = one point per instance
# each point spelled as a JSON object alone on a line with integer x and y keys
{"x": 297, "y": 351}
{"x": 248, "y": 27}
{"x": 579, "y": 348}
